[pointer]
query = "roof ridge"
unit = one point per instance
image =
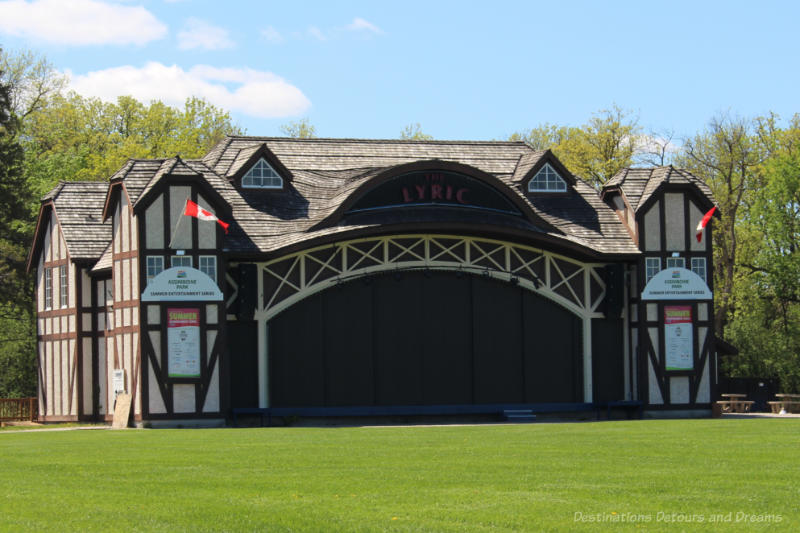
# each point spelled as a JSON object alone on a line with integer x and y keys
{"x": 53, "y": 193}
{"x": 199, "y": 162}
{"x": 402, "y": 141}
{"x": 217, "y": 150}
{"x": 123, "y": 170}
{"x": 624, "y": 176}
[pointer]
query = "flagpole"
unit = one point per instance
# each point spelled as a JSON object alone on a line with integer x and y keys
{"x": 175, "y": 231}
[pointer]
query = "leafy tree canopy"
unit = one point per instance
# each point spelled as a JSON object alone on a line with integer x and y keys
{"x": 78, "y": 138}
{"x": 413, "y": 132}
{"x": 17, "y": 332}
{"x": 301, "y": 129}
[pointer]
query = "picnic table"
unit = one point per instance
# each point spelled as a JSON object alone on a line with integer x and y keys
{"x": 735, "y": 403}
{"x": 785, "y": 403}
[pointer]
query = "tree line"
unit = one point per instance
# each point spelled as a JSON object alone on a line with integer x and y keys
{"x": 752, "y": 165}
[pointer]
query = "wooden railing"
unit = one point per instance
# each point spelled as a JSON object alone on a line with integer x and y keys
{"x": 12, "y": 409}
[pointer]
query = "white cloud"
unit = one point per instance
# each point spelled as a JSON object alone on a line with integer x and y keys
{"x": 80, "y": 22}
{"x": 360, "y": 24}
{"x": 198, "y": 33}
{"x": 316, "y": 33}
{"x": 251, "y": 92}
{"x": 272, "y": 35}
{"x": 656, "y": 143}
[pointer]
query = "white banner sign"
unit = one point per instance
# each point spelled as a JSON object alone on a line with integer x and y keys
{"x": 181, "y": 284}
{"x": 678, "y": 337}
{"x": 183, "y": 343}
{"x": 676, "y": 284}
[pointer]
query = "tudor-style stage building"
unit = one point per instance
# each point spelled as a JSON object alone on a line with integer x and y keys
{"x": 372, "y": 276}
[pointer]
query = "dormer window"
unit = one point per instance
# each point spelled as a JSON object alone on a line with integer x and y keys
{"x": 547, "y": 180}
{"x": 262, "y": 176}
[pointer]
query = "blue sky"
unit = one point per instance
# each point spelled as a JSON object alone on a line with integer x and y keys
{"x": 463, "y": 70}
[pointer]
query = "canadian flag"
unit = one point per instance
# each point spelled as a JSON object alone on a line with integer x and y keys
{"x": 703, "y": 223}
{"x": 194, "y": 210}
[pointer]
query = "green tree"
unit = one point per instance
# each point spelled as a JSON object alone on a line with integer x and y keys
{"x": 13, "y": 189}
{"x": 78, "y": 138}
{"x": 413, "y": 132}
{"x": 766, "y": 324}
{"x": 601, "y": 147}
{"x": 17, "y": 334}
{"x": 776, "y": 213}
{"x": 767, "y": 335}
{"x": 301, "y": 129}
{"x": 727, "y": 156}
{"x": 543, "y": 137}
{"x": 32, "y": 79}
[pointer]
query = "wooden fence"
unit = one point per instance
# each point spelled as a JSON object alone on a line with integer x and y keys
{"x": 12, "y": 409}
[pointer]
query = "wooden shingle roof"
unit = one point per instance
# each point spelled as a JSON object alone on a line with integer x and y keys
{"x": 79, "y": 209}
{"x": 639, "y": 184}
{"x": 492, "y": 157}
{"x": 326, "y": 173}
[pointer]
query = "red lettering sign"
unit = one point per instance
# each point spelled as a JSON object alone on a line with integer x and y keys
{"x": 434, "y": 189}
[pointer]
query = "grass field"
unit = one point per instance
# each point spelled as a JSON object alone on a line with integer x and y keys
{"x": 536, "y": 477}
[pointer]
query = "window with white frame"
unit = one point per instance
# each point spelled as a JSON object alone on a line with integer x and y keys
{"x": 699, "y": 267}
{"x": 652, "y": 266}
{"x": 676, "y": 262}
{"x": 181, "y": 261}
{"x": 262, "y": 176}
{"x": 547, "y": 180}
{"x": 63, "y": 292}
{"x": 48, "y": 288}
{"x": 155, "y": 266}
{"x": 208, "y": 265}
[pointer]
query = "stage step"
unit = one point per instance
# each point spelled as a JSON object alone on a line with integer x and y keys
{"x": 519, "y": 415}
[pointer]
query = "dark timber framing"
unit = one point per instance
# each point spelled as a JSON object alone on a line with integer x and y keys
{"x": 534, "y": 260}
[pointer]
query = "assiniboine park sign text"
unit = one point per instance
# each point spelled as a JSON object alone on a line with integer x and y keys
{"x": 181, "y": 284}
{"x": 676, "y": 284}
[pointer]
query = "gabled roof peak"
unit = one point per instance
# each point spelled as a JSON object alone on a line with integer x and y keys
{"x": 639, "y": 184}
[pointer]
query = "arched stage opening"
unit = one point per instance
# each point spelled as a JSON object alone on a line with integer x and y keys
{"x": 423, "y": 320}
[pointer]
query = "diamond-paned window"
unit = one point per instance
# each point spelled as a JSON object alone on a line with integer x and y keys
{"x": 547, "y": 180}
{"x": 262, "y": 176}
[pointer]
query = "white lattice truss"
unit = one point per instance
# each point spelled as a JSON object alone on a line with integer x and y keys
{"x": 282, "y": 282}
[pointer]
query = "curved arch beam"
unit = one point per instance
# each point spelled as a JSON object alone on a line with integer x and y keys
{"x": 576, "y": 286}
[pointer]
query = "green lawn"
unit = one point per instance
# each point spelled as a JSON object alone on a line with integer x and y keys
{"x": 535, "y": 477}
